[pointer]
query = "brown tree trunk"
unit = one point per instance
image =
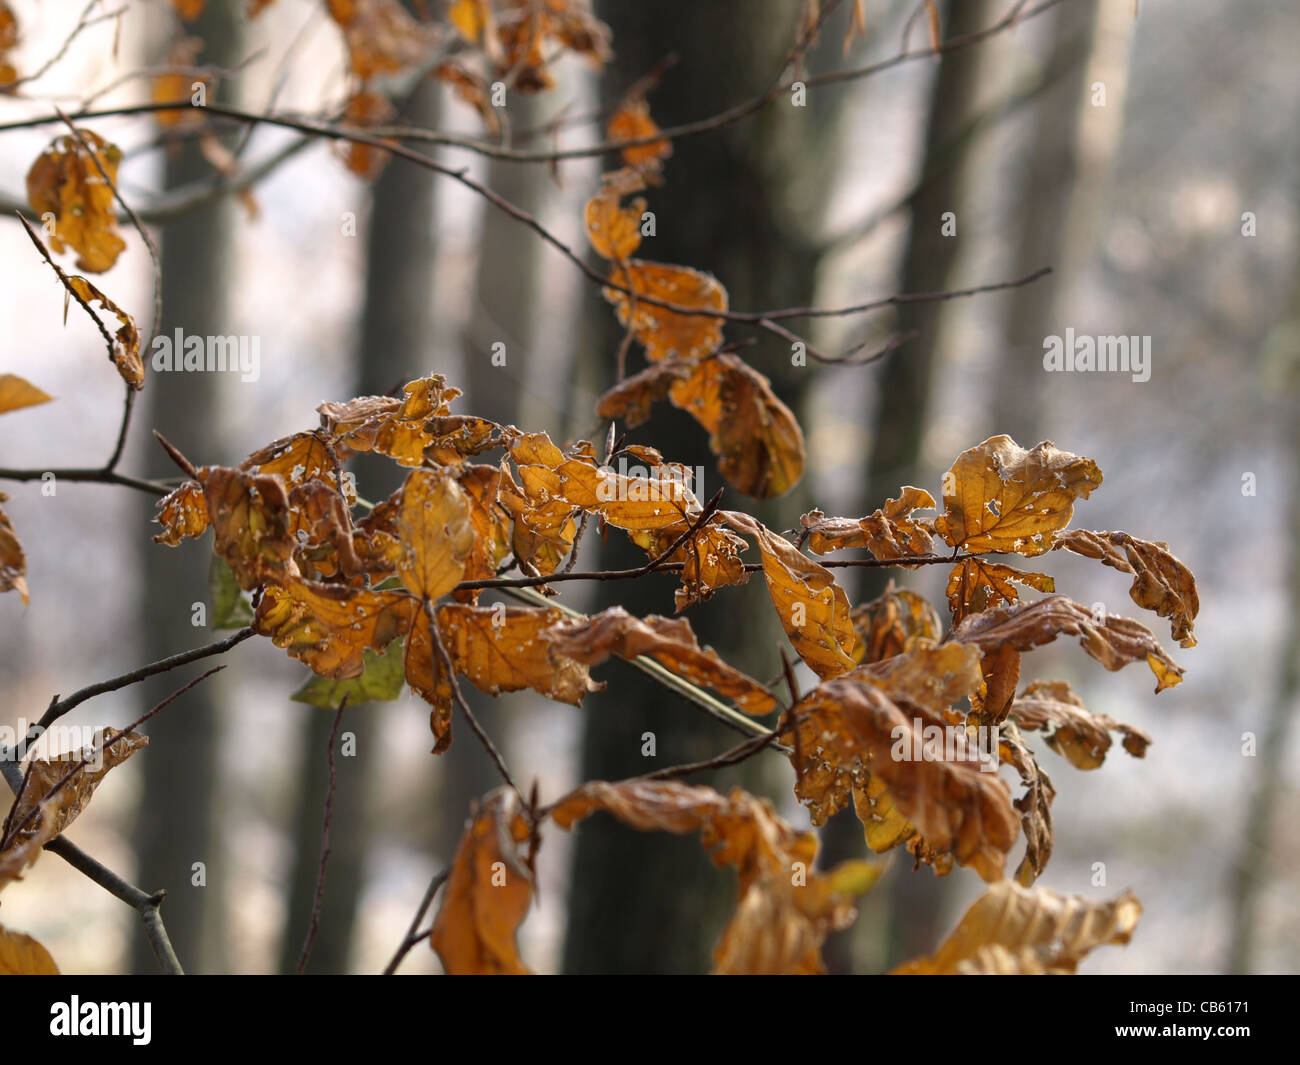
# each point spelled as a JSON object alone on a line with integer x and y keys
{"x": 176, "y": 826}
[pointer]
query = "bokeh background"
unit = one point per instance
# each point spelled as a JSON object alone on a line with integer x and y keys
{"x": 1148, "y": 153}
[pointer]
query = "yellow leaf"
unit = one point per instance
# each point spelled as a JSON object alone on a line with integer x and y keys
{"x": 1012, "y": 928}
{"x": 999, "y": 497}
{"x": 21, "y": 955}
{"x": 17, "y": 392}
{"x": 436, "y": 532}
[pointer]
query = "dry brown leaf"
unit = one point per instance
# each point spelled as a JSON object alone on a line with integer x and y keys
{"x": 785, "y": 907}
{"x": 614, "y": 228}
{"x": 47, "y": 774}
{"x": 1114, "y": 641}
{"x": 398, "y": 428}
{"x": 1070, "y": 728}
{"x": 1160, "y": 581}
{"x": 632, "y": 121}
{"x": 631, "y": 399}
{"x": 892, "y": 623}
{"x": 1042, "y": 930}
{"x": 851, "y": 723}
{"x": 813, "y": 609}
{"x": 710, "y": 558}
{"x": 1035, "y": 805}
{"x": 125, "y": 352}
{"x": 664, "y": 333}
{"x": 329, "y": 626}
{"x": 888, "y": 533}
{"x": 503, "y": 649}
{"x": 65, "y": 182}
{"x": 975, "y": 584}
{"x": 488, "y": 893}
{"x": 999, "y": 497}
{"x": 756, "y": 437}
{"x": 669, "y": 641}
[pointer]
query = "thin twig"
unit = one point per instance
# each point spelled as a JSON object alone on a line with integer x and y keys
{"x": 324, "y": 843}
{"x": 450, "y": 672}
{"x": 414, "y": 937}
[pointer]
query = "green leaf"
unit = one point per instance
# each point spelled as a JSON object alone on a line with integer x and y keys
{"x": 381, "y": 680}
{"x": 230, "y": 610}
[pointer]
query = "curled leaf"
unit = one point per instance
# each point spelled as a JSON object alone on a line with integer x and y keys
{"x": 1160, "y": 581}
{"x": 1013, "y": 928}
{"x": 1113, "y": 641}
{"x": 668, "y": 641}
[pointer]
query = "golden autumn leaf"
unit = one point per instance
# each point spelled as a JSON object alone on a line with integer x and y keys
{"x": 813, "y": 609}
{"x": 669, "y": 641}
{"x": 397, "y": 428}
{"x": 250, "y": 518}
{"x": 330, "y": 626}
{"x": 1113, "y": 641}
{"x": 631, "y": 399}
{"x": 491, "y": 523}
{"x": 975, "y": 584}
{"x": 614, "y": 228}
{"x": 65, "y": 182}
{"x": 710, "y": 558}
{"x": 1013, "y": 928}
{"x": 756, "y": 437}
{"x": 427, "y": 676}
{"x": 488, "y": 893}
{"x": 1160, "y": 581}
{"x": 21, "y": 955}
{"x": 17, "y": 392}
{"x": 785, "y": 908}
{"x": 183, "y": 514}
{"x": 436, "y": 533}
{"x": 505, "y": 649}
{"x": 125, "y": 352}
{"x": 632, "y": 121}
{"x": 957, "y": 807}
{"x": 888, "y": 533}
{"x": 13, "y": 563}
{"x": 664, "y": 333}
{"x": 75, "y": 774}
{"x": 1070, "y": 728}
{"x": 999, "y": 497}
{"x": 892, "y": 623}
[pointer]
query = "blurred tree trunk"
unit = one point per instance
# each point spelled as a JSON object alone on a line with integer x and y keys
{"x": 652, "y": 902}
{"x": 915, "y": 901}
{"x": 1048, "y": 181}
{"x": 502, "y": 311}
{"x": 176, "y": 826}
{"x": 1253, "y": 868}
{"x": 395, "y": 344}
